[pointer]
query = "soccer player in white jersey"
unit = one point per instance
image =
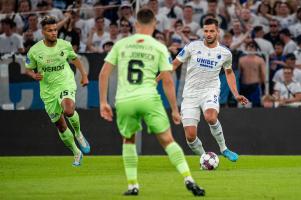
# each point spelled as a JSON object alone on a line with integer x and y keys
{"x": 202, "y": 87}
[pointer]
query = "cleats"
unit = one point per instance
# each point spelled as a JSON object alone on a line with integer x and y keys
{"x": 230, "y": 155}
{"x": 83, "y": 144}
{"x": 77, "y": 159}
{"x": 194, "y": 188}
{"x": 133, "y": 192}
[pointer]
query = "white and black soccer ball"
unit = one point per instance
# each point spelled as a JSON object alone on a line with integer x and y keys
{"x": 209, "y": 161}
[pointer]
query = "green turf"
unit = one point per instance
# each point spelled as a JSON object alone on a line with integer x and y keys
{"x": 102, "y": 177}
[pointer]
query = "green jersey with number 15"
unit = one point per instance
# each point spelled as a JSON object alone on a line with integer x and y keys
{"x": 52, "y": 63}
{"x": 138, "y": 58}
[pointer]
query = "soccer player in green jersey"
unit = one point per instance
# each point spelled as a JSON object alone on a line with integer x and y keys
{"x": 47, "y": 62}
{"x": 139, "y": 58}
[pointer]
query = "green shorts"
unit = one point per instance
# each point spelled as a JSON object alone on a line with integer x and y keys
{"x": 130, "y": 114}
{"x": 54, "y": 108}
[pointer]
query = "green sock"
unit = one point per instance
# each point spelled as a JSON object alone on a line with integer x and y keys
{"x": 74, "y": 121}
{"x": 68, "y": 139}
{"x": 130, "y": 161}
{"x": 177, "y": 158}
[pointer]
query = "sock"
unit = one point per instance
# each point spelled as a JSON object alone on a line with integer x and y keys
{"x": 177, "y": 158}
{"x": 217, "y": 132}
{"x": 68, "y": 139}
{"x": 196, "y": 146}
{"x": 130, "y": 161}
{"x": 74, "y": 121}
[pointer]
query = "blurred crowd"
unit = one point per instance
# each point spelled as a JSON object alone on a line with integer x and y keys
{"x": 263, "y": 36}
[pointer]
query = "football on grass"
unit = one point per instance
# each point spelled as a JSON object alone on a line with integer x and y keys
{"x": 209, "y": 161}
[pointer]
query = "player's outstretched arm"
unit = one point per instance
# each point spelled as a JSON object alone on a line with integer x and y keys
{"x": 32, "y": 74}
{"x": 169, "y": 90}
{"x": 79, "y": 66}
{"x": 231, "y": 80}
{"x": 103, "y": 79}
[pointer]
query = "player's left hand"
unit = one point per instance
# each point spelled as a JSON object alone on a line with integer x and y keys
{"x": 106, "y": 112}
{"x": 242, "y": 99}
{"x": 85, "y": 80}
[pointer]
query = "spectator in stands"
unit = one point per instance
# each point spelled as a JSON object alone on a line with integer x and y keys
{"x": 97, "y": 36}
{"x": 252, "y": 72}
{"x": 277, "y": 61}
{"x": 160, "y": 37}
{"x": 54, "y": 11}
{"x": 263, "y": 9}
{"x": 247, "y": 19}
{"x": 187, "y": 19}
{"x": 177, "y": 35}
{"x": 265, "y": 46}
{"x": 68, "y": 32}
{"x": 163, "y": 23}
{"x": 114, "y": 32}
{"x": 298, "y": 52}
{"x": 8, "y": 11}
{"x": 126, "y": 11}
{"x": 289, "y": 45}
{"x": 98, "y": 11}
{"x": 212, "y": 9}
{"x": 226, "y": 97}
{"x": 227, "y": 8}
{"x": 171, "y": 10}
{"x": 34, "y": 28}
{"x": 273, "y": 35}
{"x": 295, "y": 28}
{"x": 288, "y": 92}
{"x": 10, "y": 42}
{"x": 242, "y": 39}
{"x": 125, "y": 28}
{"x": 289, "y": 62}
{"x": 24, "y": 6}
{"x": 107, "y": 46}
{"x": 29, "y": 41}
{"x": 200, "y": 8}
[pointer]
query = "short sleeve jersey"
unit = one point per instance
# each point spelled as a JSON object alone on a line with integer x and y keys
{"x": 203, "y": 66}
{"x": 138, "y": 59}
{"x": 52, "y": 63}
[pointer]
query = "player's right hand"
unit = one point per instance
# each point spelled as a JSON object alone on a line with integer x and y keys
{"x": 37, "y": 76}
{"x": 106, "y": 112}
{"x": 176, "y": 117}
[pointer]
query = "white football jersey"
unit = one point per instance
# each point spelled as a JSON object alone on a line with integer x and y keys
{"x": 203, "y": 66}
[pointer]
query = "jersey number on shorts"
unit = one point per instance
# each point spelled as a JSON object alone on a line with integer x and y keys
{"x": 135, "y": 75}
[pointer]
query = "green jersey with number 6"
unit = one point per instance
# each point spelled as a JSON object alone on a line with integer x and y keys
{"x": 52, "y": 63}
{"x": 139, "y": 58}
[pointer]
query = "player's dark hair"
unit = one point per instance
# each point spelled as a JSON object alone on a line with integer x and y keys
{"x": 211, "y": 21}
{"x": 279, "y": 43}
{"x": 48, "y": 20}
{"x": 145, "y": 16}
{"x": 290, "y": 56}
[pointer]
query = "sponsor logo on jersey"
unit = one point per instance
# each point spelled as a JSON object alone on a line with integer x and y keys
{"x": 206, "y": 62}
{"x": 62, "y": 53}
{"x": 182, "y": 52}
{"x": 27, "y": 60}
{"x": 52, "y": 69}
{"x": 219, "y": 56}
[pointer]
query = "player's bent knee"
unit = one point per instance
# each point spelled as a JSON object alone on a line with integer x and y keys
{"x": 190, "y": 133}
{"x": 69, "y": 112}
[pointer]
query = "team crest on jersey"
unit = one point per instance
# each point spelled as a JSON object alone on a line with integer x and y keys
{"x": 219, "y": 56}
{"x": 199, "y": 52}
{"x": 62, "y": 53}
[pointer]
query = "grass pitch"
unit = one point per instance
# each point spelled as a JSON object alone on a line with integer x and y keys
{"x": 102, "y": 177}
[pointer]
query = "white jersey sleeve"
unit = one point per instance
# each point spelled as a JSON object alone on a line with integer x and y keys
{"x": 228, "y": 61}
{"x": 184, "y": 54}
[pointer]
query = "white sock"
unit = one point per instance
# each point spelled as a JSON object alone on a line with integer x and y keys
{"x": 196, "y": 146}
{"x": 132, "y": 186}
{"x": 188, "y": 178}
{"x": 217, "y": 132}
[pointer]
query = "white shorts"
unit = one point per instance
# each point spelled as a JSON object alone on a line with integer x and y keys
{"x": 191, "y": 106}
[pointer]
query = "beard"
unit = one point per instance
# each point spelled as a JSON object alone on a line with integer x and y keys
{"x": 211, "y": 40}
